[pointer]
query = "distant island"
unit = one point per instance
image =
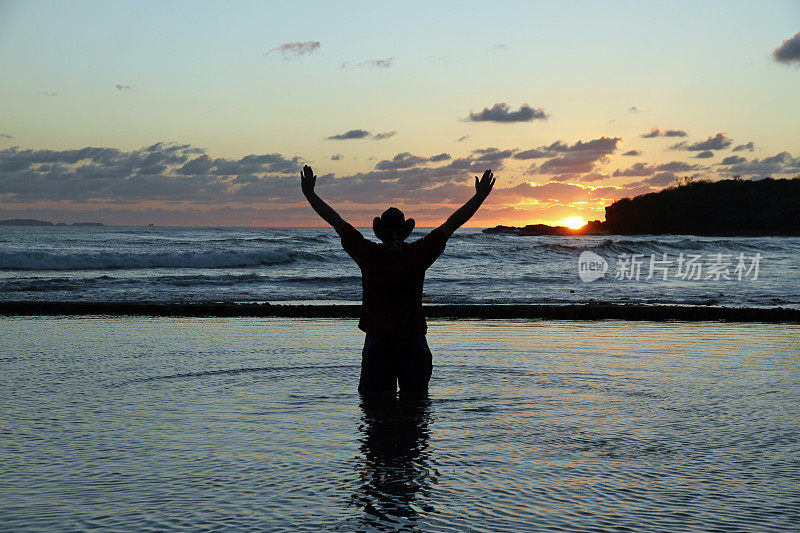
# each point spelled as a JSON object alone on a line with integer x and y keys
{"x": 594, "y": 227}
{"x": 732, "y": 207}
{"x": 34, "y": 222}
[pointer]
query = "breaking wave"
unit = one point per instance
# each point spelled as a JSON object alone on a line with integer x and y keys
{"x": 43, "y": 260}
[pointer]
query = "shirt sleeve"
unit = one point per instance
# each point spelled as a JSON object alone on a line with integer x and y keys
{"x": 431, "y": 246}
{"x": 353, "y": 242}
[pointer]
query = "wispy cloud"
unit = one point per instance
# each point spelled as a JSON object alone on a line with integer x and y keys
{"x": 788, "y": 51}
{"x": 121, "y": 87}
{"x": 47, "y": 93}
{"x": 714, "y": 142}
{"x": 462, "y": 138}
{"x": 372, "y": 63}
{"x": 349, "y": 134}
{"x": 5, "y": 136}
{"x": 742, "y": 147}
{"x": 402, "y": 160}
{"x": 362, "y": 134}
{"x": 733, "y": 160}
{"x": 296, "y": 49}
{"x": 384, "y": 135}
{"x": 647, "y": 169}
{"x": 337, "y": 157}
{"x": 632, "y": 153}
{"x": 655, "y": 131}
{"x": 501, "y": 112}
{"x": 533, "y": 153}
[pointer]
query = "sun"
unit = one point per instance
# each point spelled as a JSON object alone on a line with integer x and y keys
{"x": 573, "y": 222}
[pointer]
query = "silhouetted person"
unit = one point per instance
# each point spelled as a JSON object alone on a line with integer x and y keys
{"x": 392, "y": 273}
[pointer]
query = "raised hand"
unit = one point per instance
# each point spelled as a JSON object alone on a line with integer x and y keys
{"x": 308, "y": 180}
{"x": 484, "y": 186}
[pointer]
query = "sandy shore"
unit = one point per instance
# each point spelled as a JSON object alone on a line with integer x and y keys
{"x": 556, "y": 312}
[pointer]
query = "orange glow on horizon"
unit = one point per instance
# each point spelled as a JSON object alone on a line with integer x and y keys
{"x": 573, "y": 222}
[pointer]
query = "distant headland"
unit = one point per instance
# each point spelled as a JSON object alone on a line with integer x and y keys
{"x": 731, "y": 207}
{"x": 34, "y": 222}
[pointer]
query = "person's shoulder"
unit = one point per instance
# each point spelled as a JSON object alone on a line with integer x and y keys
{"x": 347, "y": 232}
{"x": 436, "y": 235}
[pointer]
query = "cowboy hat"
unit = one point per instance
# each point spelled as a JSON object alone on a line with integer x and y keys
{"x": 392, "y": 225}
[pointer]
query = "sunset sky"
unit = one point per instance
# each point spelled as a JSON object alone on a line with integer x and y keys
{"x": 186, "y": 113}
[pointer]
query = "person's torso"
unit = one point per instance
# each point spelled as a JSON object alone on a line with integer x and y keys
{"x": 392, "y": 283}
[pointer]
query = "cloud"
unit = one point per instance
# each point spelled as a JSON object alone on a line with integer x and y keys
{"x": 491, "y": 154}
{"x": 788, "y": 51}
{"x": 705, "y": 154}
{"x": 361, "y": 134}
{"x": 197, "y": 166}
{"x": 593, "y": 176}
{"x": 337, "y": 157}
{"x": 638, "y": 169}
{"x": 742, "y": 147}
{"x": 634, "y": 109}
{"x": 661, "y": 179}
{"x": 472, "y": 164}
{"x": 384, "y": 135}
{"x": 646, "y": 169}
{"x": 121, "y": 87}
{"x": 734, "y": 160}
{"x": 163, "y": 171}
{"x": 372, "y": 63}
{"x": 256, "y": 164}
{"x": 552, "y": 191}
{"x": 296, "y": 49}
{"x": 656, "y": 132}
{"x": 580, "y": 157}
{"x": 780, "y": 163}
{"x": 677, "y": 166}
{"x": 349, "y": 134}
{"x": 47, "y": 93}
{"x": 500, "y": 46}
{"x": 5, "y": 136}
{"x": 501, "y": 112}
{"x": 405, "y": 160}
{"x": 182, "y": 178}
{"x": 633, "y": 153}
{"x": 714, "y": 142}
{"x": 462, "y": 138}
{"x": 534, "y": 153}
{"x": 401, "y": 160}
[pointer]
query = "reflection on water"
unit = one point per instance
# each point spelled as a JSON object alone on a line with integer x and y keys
{"x": 249, "y": 424}
{"x": 395, "y": 471}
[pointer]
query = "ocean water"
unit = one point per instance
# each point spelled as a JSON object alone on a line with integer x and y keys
{"x": 163, "y": 264}
{"x": 242, "y": 424}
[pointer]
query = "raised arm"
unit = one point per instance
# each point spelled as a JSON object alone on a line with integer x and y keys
{"x": 482, "y": 189}
{"x": 328, "y": 214}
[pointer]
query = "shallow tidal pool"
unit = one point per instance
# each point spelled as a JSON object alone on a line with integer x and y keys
{"x": 254, "y": 424}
